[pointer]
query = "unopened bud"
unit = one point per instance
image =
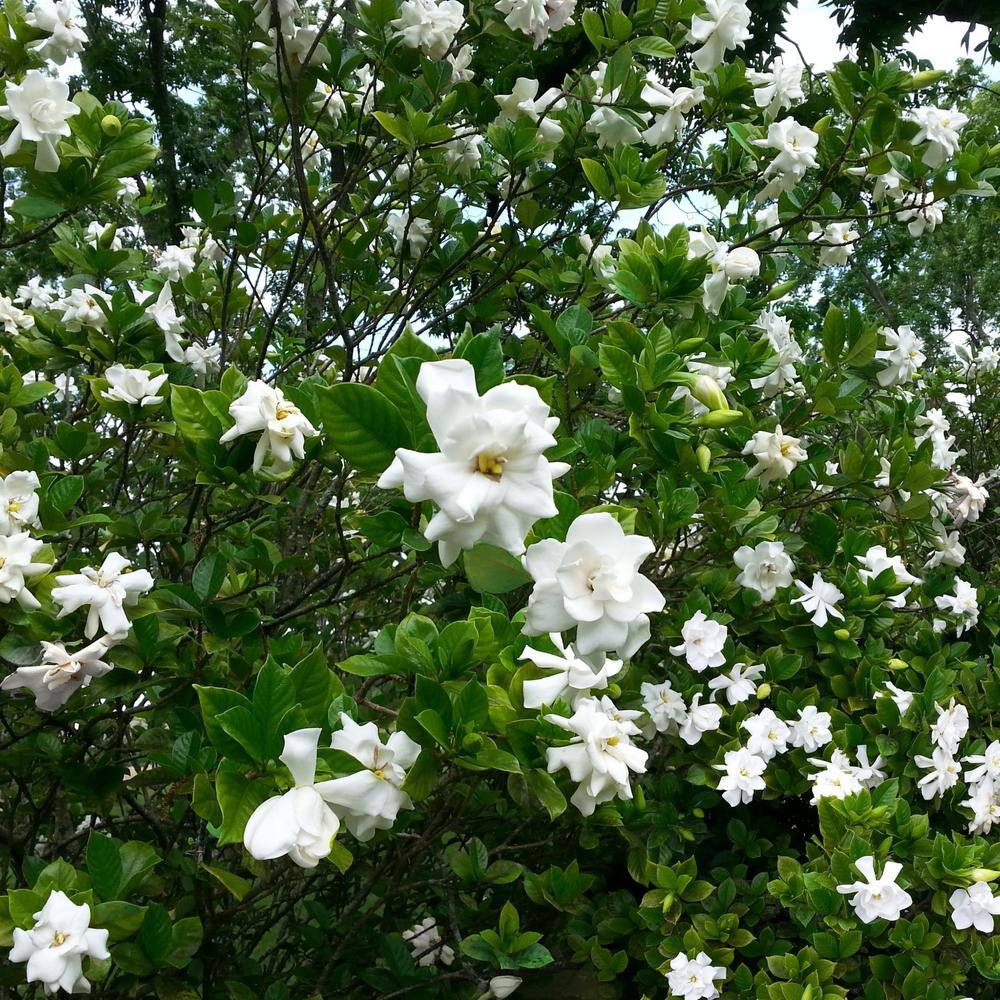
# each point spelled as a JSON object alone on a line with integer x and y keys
{"x": 719, "y": 418}
{"x": 842, "y": 634}
{"x": 472, "y": 742}
{"x": 764, "y": 691}
{"x": 897, "y": 664}
{"x": 983, "y": 875}
{"x": 709, "y": 393}
{"x": 111, "y": 125}
{"x": 704, "y": 456}
{"x": 925, "y": 79}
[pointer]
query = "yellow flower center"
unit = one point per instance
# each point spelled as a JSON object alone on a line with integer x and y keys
{"x": 490, "y": 465}
{"x": 13, "y": 506}
{"x": 60, "y": 938}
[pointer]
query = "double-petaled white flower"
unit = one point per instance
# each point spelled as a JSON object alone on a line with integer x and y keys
{"x": 796, "y": 146}
{"x": 537, "y": 18}
{"x": 12, "y": 319}
{"x": 699, "y": 719}
{"x": 725, "y": 25}
{"x": 107, "y": 591}
{"x": 694, "y": 978}
{"x": 426, "y": 944}
{"x": 775, "y": 453}
{"x": 878, "y": 897}
{"x": 788, "y": 353}
{"x": 409, "y": 231}
{"x": 670, "y": 109}
{"x": 601, "y": 756}
{"x": 80, "y": 307}
{"x": 35, "y": 294}
{"x": 767, "y": 735}
{"x": 967, "y": 499}
{"x": 524, "y": 102}
{"x": 943, "y": 772}
{"x": 592, "y": 581}
{"x": 836, "y": 778}
{"x": 739, "y": 684}
{"x": 41, "y": 108}
{"x": 299, "y": 823}
{"x": 702, "y": 642}
{"x": 765, "y": 568}
{"x": 725, "y": 266}
{"x": 133, "y": 385}
{"x": 17, "y": 553}
{"x": 175, "y": 262}
{"x": 61, "y": 22}
{"x": 282, "y": 426}
{"x": 61, "y": 673}
{"x": 18, "y": 502}
{"x": 939, "y": 128}
{"x": 903, "y": 356}
{"x": 811, "y": 730}
{"x": 836, "y": 242}
{"x": 164, "y": 314}
{"x": 429, "y": 25}
{"x": 974, "y": 907}
{"x": 743, "y": 775}
{"x": 779, "y": 87}
{"x": 665, "y": 706}
{"x": 963, "y": 604}
{"x": 877, "y": 561}
{"x": 951, "y": 726}
{"x": 570, "y": 678}
{"x": 490, "y": 480}
{"x": 58, "y": 943}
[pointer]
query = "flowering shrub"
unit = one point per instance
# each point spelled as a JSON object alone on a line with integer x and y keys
{"x": 428, "y": 572}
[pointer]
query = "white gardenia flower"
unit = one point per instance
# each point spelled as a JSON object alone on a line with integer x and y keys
{"x": 164, "y": 314}
{"x": 16, "y": 566}
{"x": 724, "y": 25}
{"x": 870, "y": 774}
{"x": 107, "y": 591}
{"x": 80, "y": 307}
{"x": 490, "y": 480}
{"x": 502, "y": 987}
{"x": 951, "y": 726}
{"x": 967, "y": 498}
{"x": 460, "y": 62}
{"x": 58, "y": 943}
{"x": 876, "y": 561}
{"x": 61, "y": 673}
{"x": 12, "y": 319}
{"x": 41, "y": 108}
{"x": 837, "y": 777}
{"x": 819, "y": 599}
{"x": 571, "y": 678}
{"x": 670, "y": 108}
{"x": 133, "y": 385}
{"x": 612, "y": 129}
{"x": 370, "y": 799}
{"x": 463, "y": 154}
{"x": 776, "y": 454}
{"x": 299, "y": 823}
{"x": 765, "y": 568}
{"x": 939, "y": 128}
{"x": 974, "y": 907}
{"x": 538, "y": 18}
{"x": 878, "y": 897}
{"x": 328, "y": 99}
{"x": 38, "y": 296}
{"x": 128, "y": 190}
{"x": 744, "y": 775}
{"x": 694, "y": 978}
{"x": 788, "y": 353}
{"x": 411, "y": 231}
{"x": 779, "y": 87}
{"x": 811, "y": 730}
{"x": 664, "y": 705}
{"x": 903, "y": 357}
{"x": 943, "y": 772}
{"x": 18, "y": 502}
{"x": 922, "y": 213}
{"x": 903, "y": 699}
{"x": 989, "y": 766}
{"x": 836, "y": 242}
{"x": 601, "y": 755}
{"x": 175, "y": 262}
{"x": 739, "y": 684}
{"x": 703, "y": 640}
{"x": 700, "y": 719}
{"x": 202, "y": 360}
{"x": 963, "y": 604}
{"x": 767, "y": 734}
{"x": 426, "y": 944}
{"x": 592, "y": 581}
{"x": 796, "y": 147}
{"x": 429, "y": 25}
{"x": 984, "y": 801}
{"x": 282, "y": 425}
{"x": 60, "y": 20}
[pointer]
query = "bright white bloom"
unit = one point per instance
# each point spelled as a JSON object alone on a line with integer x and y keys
{"x": 934, "y": 427}
{"x": 765, "y": 568}
{"x": 299, "y": 823}
{"x": 16, "y": 554}
{"x": 370, "y": 799}
{"x": 876, "y": 561}
{"x": 107, "y": 591}
{"x": 460, "y": 62}
{"x": 870, "y": 774}
{"x": 133, "y": 385}
{"x": 989, "y": 766}
{"x": 939, "y": 128}
{"x": 601, "y": 755}
{"x": 523, "y": 102}
{"x": 903, "y": 357}
{"x": 700, "y": 719}
{"x": 694, "y": 978}
{"x": 60, "y": 674}
{"x": 836, "y": 242}
{"x": 426, "y": 944}
{"x": 35, "y": 295}
{"x": 744, "y": 775}
{"x": 12, "y": 319}
{"x": 429, "y": 25}
{"x": 490, "y": 480}
{"x": 58, "y": 943}
{"x": 984, "y": 801}
{"x": 96, "y": 231}
{"x": 41, "y": 108}
{"x": 592, "y": 581}
{"x": 571, "y": 679}
{"x": 964, "y": 604}
{"x": 836, "y": 779}
{"x": 795, "y": 145}
{"x": 903, "y": 699}
{"x": 775, "y": 453}
{"x": 670, "y": 108}
{"x": 702, "y": 642}
{"x": 283, "y": 426}
{"x": 778, "y": 331}
{"x": 878, "y": 897}
{"x": 538, "y": 18}
{"x": 986, "y": 361}
{"x": 328, "y": 99}
{"x": 724, "y": 25}
{"x": 967, "y": 498}
{"x": 739, "y": 684}
{"x": 59, "y": 19}
{"x": 502, "y": 987}
{"x": 725, "y": 265}
{"x": 943, "y": 772}
{"x": 463, "y": 154}
{"x": 922, "y": 212}
{"x": 611, "y": 128}
{"x": 202, "y": 360}
{"x": 811, "y": 730}
{"x": 974, "y": 907}
{"x": 819, "y": 599}
{"x": 779, "y": 87}
{"x": 164, "y": 314}
{"x": 175, "y": 263}
{"x": 409, "y": 231}
{"x": 768, "y": 735}
{"x": 951, "y": 726}
{"x": 128, "y": 189}
{"x": 18, "y": 502}
{"x": 80, "y": 308}
{"x": 664, "y": 705}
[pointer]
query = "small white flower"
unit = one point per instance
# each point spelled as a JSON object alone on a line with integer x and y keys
{"x": 776, "y": 454}
{"x": 878, "y": 897}
{"x": 175, "y": 263}
{"x": 739, "y": 684}
{"x": 939, "y": 128}
{"x": 819, "y": 599}
{"x": 768, "y": 735}
{"x": 537, "y": 18}
{"x": 426, "y": 944}
{"x": 80, "y": 308}
{"x": 951, "y": 726}
{"x": 16, "y": 566}
{"x": 429, "y": 25}
{"x": 903, "y": 356}
{"x": 903, "y": 699}
{"x": 765, "y": 568}
{"x": 989, "y": 765}
{"x": 778, "y": 331}
{"x": 63, "y": 24}
{"x": 837, "y": 777}
{"x": 811, "y": 730}
{"x": 694, "y": 978}
{"x": 502, "y": 987}
{"x": 963, "y": 604}
{"x": 724, "y": 25}
{"x": 60, "y": 674}
{"x": 876, "y": 561}
{"x": 974, "y": 907}
{"x": 571, "y": 677}
{"x": 670, "y": 108}
{"x": 700, "y": 719}
{"x": 743, "y": 776}
{"x": 18, "y": 502}
{"x": 702, "y": 642}
{"x": 107, "y": 591}
{"x": 411, "y": 231}
{"x": 836, "y": 242}
{"x": 664, "y": 705}
{"x": 943, "y": 772}
{"x": 796, "y": 146}
{"x": 133, "y": 385}
{"x": 967, "y": 498}
{"x": 12, "y": 319}
{"x": 779, "y": 87}
{"x": 35, "y": 294}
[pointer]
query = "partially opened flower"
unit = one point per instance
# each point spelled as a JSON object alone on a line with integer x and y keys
{"x": 61, "y": 673}
{"x": 60, "y": 21}
{"x": 963, "y": 604}
{"x": 18, "y": 502}
{"x": 17, "y": 553}
{"x": 943, "y": 772}
{"x": 133, "y": 385}
{"x": 775, "y": 453}
{"x": 571, "y": 678}
{"x": 878, "y": 897}
{"x": 739, "y": 684}
{"x": 724, "y": 25}
{"x": 876, "y": 561}
{"x": 299, "y": 823}
{"x": 903, "y": 356}
{"x": 698, "y": 720}
{"x": 41, "y": 107}
{"x": 107, "y": 591}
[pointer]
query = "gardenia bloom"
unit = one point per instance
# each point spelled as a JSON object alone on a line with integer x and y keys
{"x": 80, "y": 308}
{"x": 796, "y": 148}
{"x": 601, "y": 754}
{"x": 903, "y": 358}
{"x": 538, "y": 18}
{"x": 490, "y": 480}
{"x": 58, "y": 943}
{"x": 964, "y": 604}
{"x": 425, "y": 943}
{"x": 725, "y": 265}
{"x": 876, "y": 561}
{"x": 16, "y": 554}
{"x": 943, "y": 773}
{"x": 837, "y": 777}
{"x": 12, "y": 319}
{"x": 725, "y": 25}
{"x": 744, "y": 775}
{"x": 298, "y": 823}
{"x": 370, "y": 799}
{"x": 768, "y": 735}
{"x": 764, "y": 568}
{"x": 836, "y": 242}
{"x": 164, "y": 314}
{"x": 592, "y": 581}
{"x": 38, "y": 296}
{"x": 776, "y": 454}
{"x": 739, "y": 684}
{"x": 984, "y": 802}
{"x": 18, "y": 502}
{"x": 107, "y": 591}
{"x": 133, "y": 385}
{"x": 951, "y": 726}
{"x": 939, "y": 128}
{"x": 903, "y": 699}
{"x": 502, "y": 987}
{"x": 869, "y": 774}
{"x": 175, "y": 263}
{"x": 408, "y": 230}
{"x": 58, "y": 19}
{"x": 702, "y": 642}
{"x": 968, "y": 498}
{"x": 779, "y": 87}
{"x": 988, "y": 770}
{"x": 878, "y": 897}
{"x": 778, "y": 331}
{"x": 664, "y": 705}
{"x": 811, "y": 730}
{"x": 326, "y": 98}
{"x": 922, "y": 212}
{"x": 60, "y": 674}
{"x": 974, "y": 907}
{"x": 819, "y": 600}
{"x": 463, "y": 154}
{"x": 429, "y": 25}
{"x": 282, "y": 425}
{"x": 41, "y": 108}
{"x": 700, "y": 719}
{"x": 572, "y": 678}
{"x": 670, "y": 108}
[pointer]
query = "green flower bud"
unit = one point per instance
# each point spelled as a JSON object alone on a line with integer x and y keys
{"x": 111, "y": 125}
{"x": 984, "y": 875}
{"x": 764, "y": 691}
{"x": 842, "y": 634}
{"x": 897, "y": 664}
{"x": 708, "y": 392}
{"x": 472, "y": 742}
{"x": 704, "y": 455}
{"x": 719, "y": 418}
